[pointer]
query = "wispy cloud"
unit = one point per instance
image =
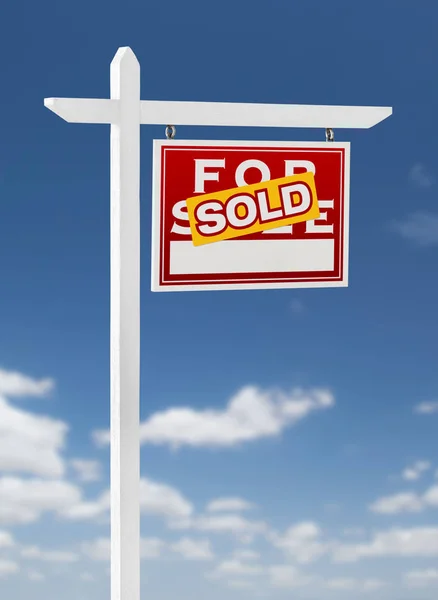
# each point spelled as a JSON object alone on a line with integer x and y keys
{"x": 99, "y": 549}
{"x": 229, "y": 504}
{"x": 420, "y": 228}
{"x": 234, "y": 567}
{"x": 305, "y": 543}
{"x": 398, "y": 503}
{"x": 156, "y": 498}
{"x": 61, "y": 556}
{"x": 193, "y": 549}
{"x": 301, "y": 542}
{"x": 26, "y": 500}
{"x": 296, "y": 307}
{"x": 29, "y": 443}
{"x": 35, "y": 575}
{"x": 6, "y": 539}
{"x": 407, "y": 542}
{"x": 13, "y": 383}
{"x": 288, "y": 577}
{"x": 421, "y": 577}
{"x": 352, "y": 584}
{"x": 420, "y": 176}
{"x": 87, "y": 470}
{"x": 416, "y": 470}
{"x": 243, "y": 529}
{"x": 251, "y": 414}
{"x": 8, "y": 567}
{"x": 426, "y": 408}
{"x": 406, "y": 502}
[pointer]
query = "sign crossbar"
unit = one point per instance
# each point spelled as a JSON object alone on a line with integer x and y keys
{"x": 222, "y": 114}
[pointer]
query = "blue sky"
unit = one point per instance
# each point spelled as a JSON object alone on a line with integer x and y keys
{"x": 342, "y": 502}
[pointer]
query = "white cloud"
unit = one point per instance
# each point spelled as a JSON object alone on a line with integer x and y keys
{"x": 54, "y": 556}
{"x": 155, "y": 499}
{"x": 6, "y": 539}
{"x": 191, "y": 549}
{"x": 87, "y": 470}
{"x": 243, "y": 529}
{"x": 341, "y": 584}
{"x": 426, "y": 408}
{"x": 421, "y": 578}
{"x": 244, "y": 554}
{"x": 241, "y": 565}
{"x": 162, "y": 499}
{"x": 251, "y": 414}
{"x": 419, "y": 227}
{"x": 99, "y": 549}
{"x": 372, "y": 584}
{"x": 414, "y": 472}
{"x": 430, "y": 497}
{"x": 229, "y": 504}
{"x": 406, "y": 502}
{"x": 287, "y": 576}
{"x": 86, "y": 577}
{"x": 86, "y": 510}
{"x": 421, "y": 176}
{"x": 151, "y": 547}
{"x": 30, "y": 443}
{"x": 16, "y": 384}
{"x": 8, "y": 567}
{"x": 240, "y": 584}
{"x": 304, "y": 543}
{"x": 235, "y": 567}
{"x": 403, "y": 502}
{"x": 25, "y": 500}
{"x": 351, "y": 584}
{"x": 35, "y": 575}
{"x": 301, "y": 542}
{"x": 416, "y": 541}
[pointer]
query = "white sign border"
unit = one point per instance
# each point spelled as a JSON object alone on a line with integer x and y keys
{"x": 196, "y": 287}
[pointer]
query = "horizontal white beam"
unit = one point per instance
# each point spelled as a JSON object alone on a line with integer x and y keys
{"x": 225, "y": 114}
{"x": 222, "y": 114}
{"x": 84, "y": 110}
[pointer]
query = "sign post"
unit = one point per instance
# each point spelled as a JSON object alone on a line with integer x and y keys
{"x": 125, "y": 327}
{"x": 125, "y": 112}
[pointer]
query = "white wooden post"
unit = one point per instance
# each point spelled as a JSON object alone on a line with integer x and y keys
{"x": 125, "y": 327}
{"x": 124, "y": 111}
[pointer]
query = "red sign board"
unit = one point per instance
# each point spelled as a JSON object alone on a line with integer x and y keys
{"x": 313, "y": 253}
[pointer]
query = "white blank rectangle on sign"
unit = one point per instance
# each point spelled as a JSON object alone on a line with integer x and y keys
{"x": 252, "y": 256}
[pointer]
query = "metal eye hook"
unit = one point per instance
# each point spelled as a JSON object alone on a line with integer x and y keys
{"x": 170, "y": 132}
{"x": 329, "y": 135}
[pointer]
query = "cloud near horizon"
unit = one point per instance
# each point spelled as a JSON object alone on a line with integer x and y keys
{"x": 29, "y": 443}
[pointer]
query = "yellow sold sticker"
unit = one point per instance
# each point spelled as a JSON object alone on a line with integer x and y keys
{"x": 253, "y": 208}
